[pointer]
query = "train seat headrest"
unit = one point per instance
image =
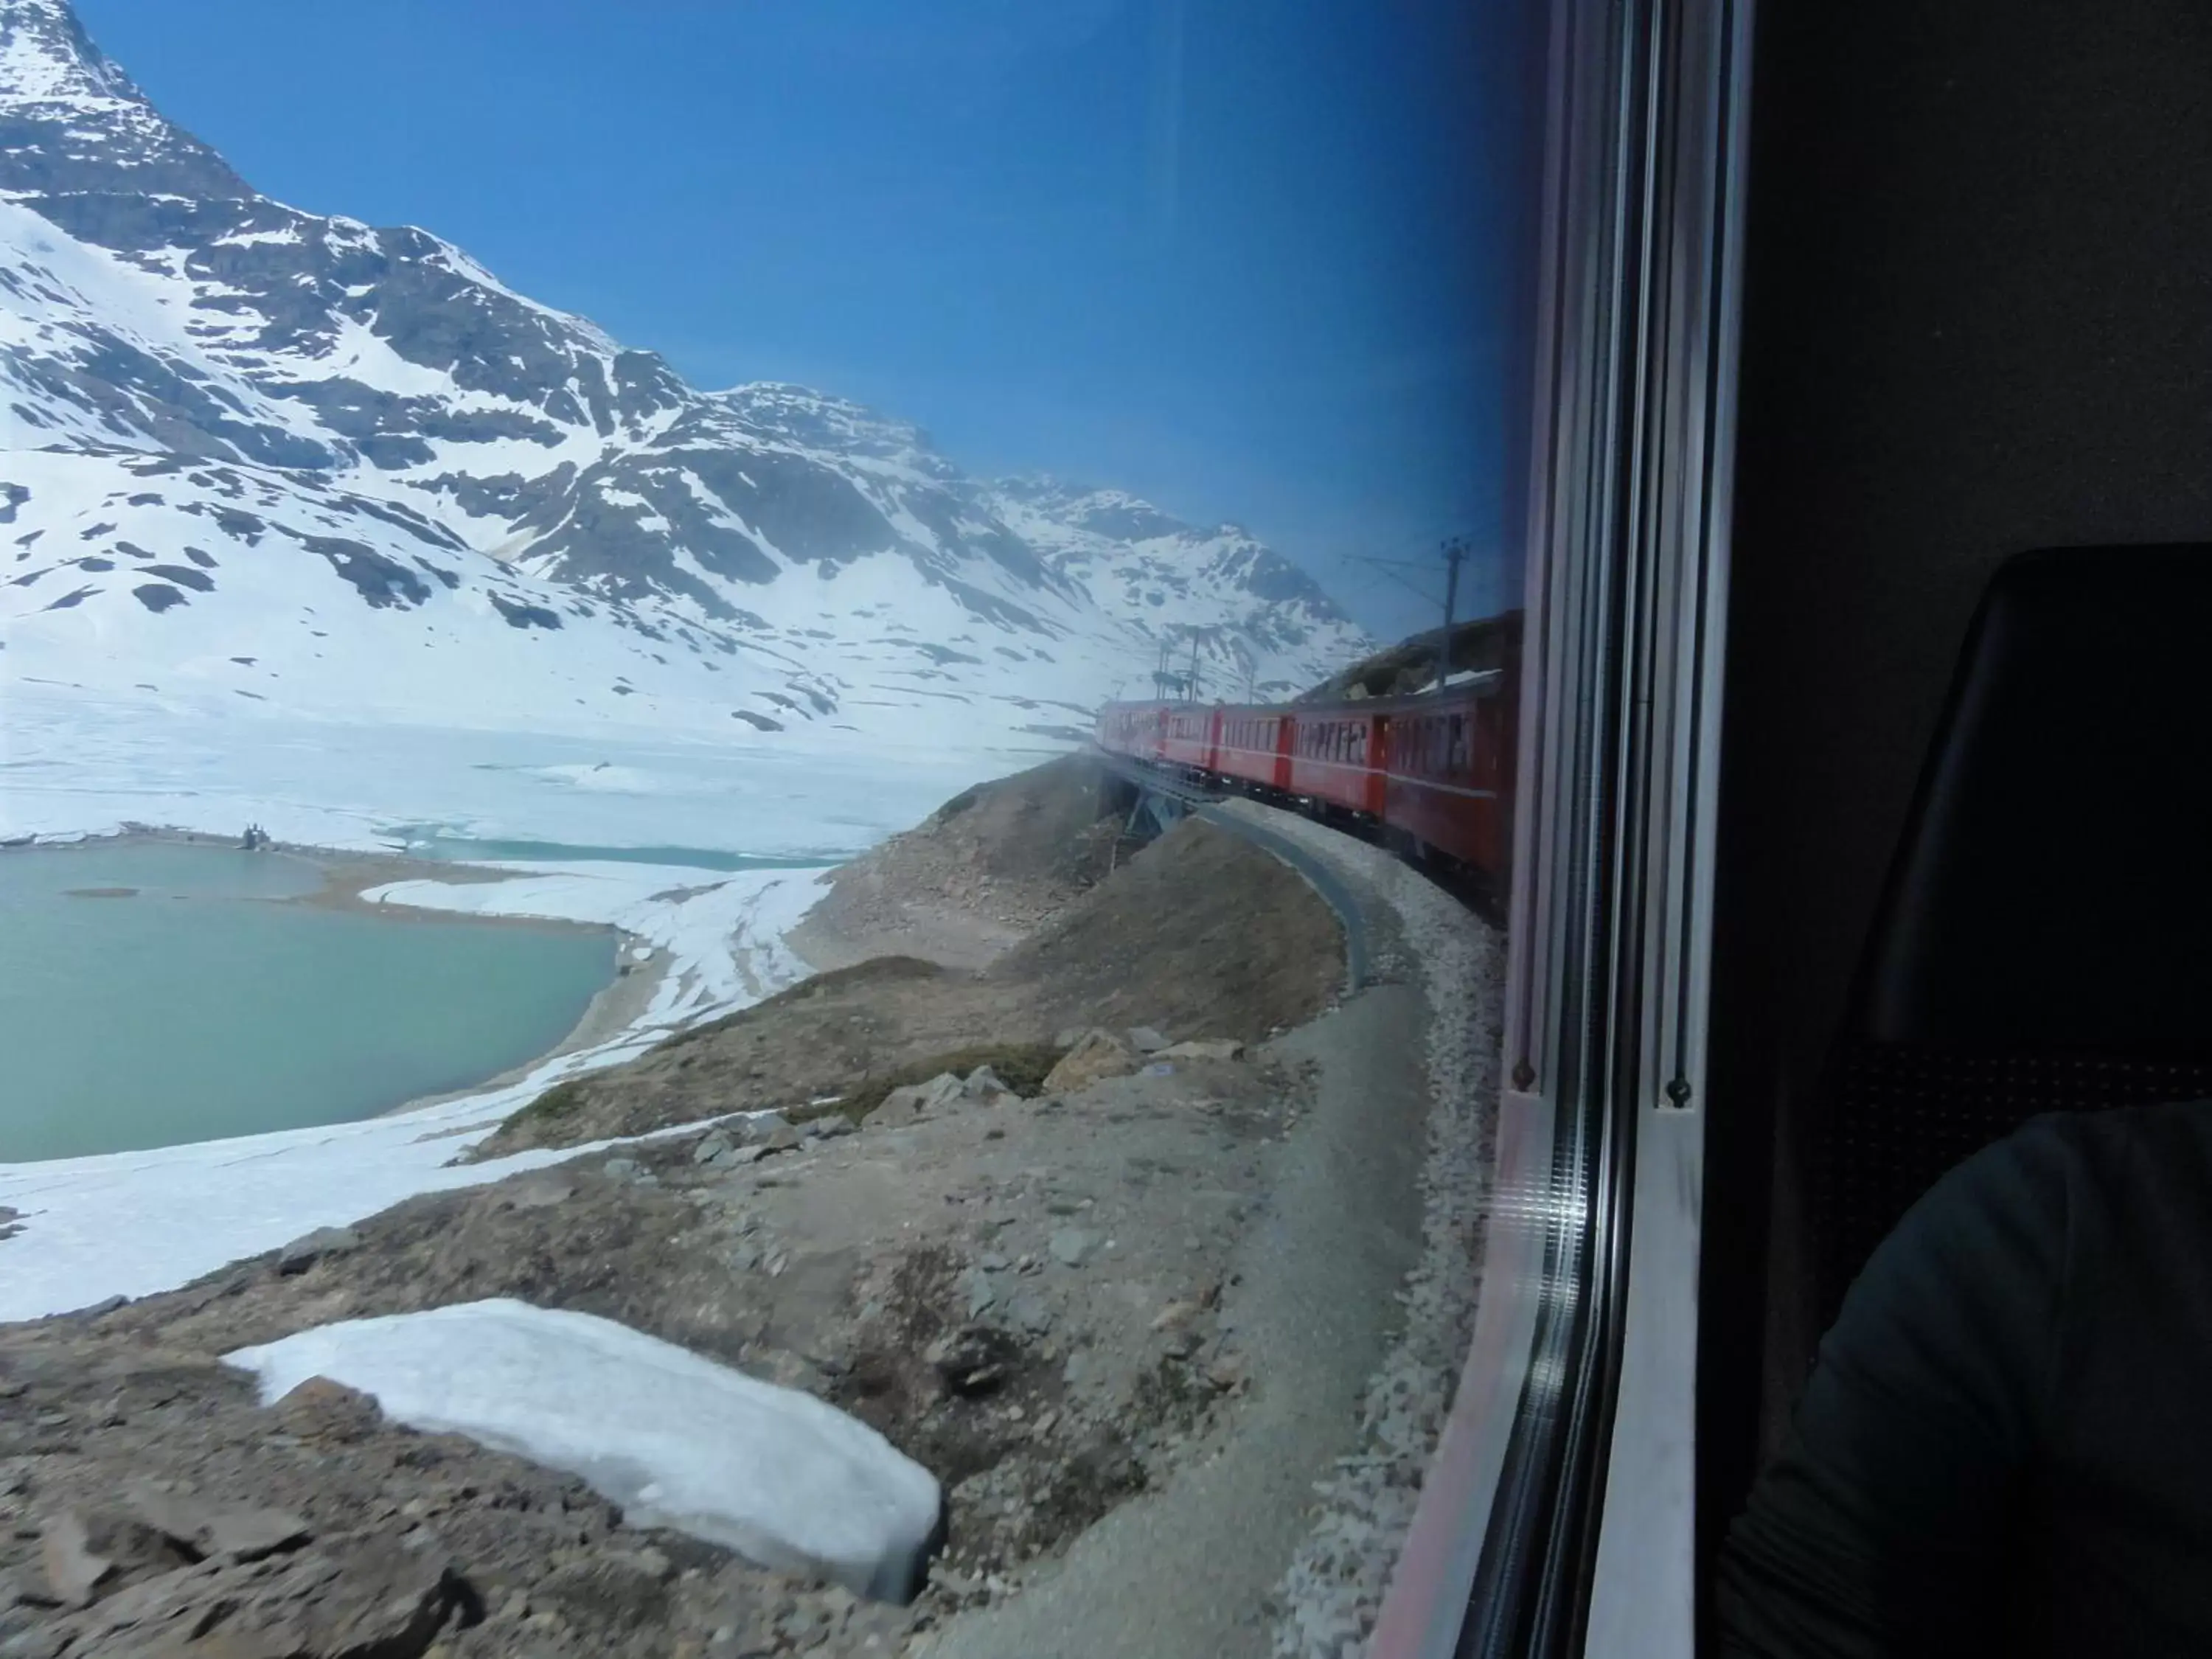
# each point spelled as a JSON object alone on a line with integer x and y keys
{"x": 2053, "y": 888}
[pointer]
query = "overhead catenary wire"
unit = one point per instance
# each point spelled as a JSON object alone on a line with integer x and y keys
{"x": 1456, "y": 550}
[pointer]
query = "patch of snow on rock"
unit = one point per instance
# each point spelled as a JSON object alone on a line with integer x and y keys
{"x": 676, "y": 1439}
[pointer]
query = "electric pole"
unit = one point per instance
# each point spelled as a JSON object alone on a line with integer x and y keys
{"x": 1455, "y": 554}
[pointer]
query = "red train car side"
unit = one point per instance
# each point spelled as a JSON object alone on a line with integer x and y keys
{"x": 1191, "y": 736}
{"x": 1256, "y": 747}
{"x": 1448, "y": 776}
{"x": 1134, "y": 729}
{"x": 1431, "y": 773}
{"x": 1335, "y": 753}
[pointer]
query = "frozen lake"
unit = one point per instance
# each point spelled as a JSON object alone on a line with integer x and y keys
{"x": 154, "y": 994}
{"x": 78, "y": 764}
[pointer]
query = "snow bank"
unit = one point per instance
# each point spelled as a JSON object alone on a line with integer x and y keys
{"x": 135, "y": 1224}
{"x": 677, "y": 1440}
{"x": 724, "y": 933}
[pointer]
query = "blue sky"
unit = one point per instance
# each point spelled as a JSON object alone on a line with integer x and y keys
{"x": 1254, "y": 259}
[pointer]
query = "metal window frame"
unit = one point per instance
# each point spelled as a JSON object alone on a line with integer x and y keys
{"x": 1557, "y": 1518}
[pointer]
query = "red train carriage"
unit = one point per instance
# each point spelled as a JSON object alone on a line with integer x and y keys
{"x": 1447, "y": 772}
{"x": 1134, "y": 729}
{"x": 1431, "y": 771}
{"x": 1334, "y": 755}
{"x": 1189, "y": 739}
{"x": 1254, "y": 747}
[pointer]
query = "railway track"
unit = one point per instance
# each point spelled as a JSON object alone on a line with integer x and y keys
{"x": 1200, "y": 795}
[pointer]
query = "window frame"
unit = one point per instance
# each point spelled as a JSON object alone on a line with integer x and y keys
{"x": 1558, "y": 1515}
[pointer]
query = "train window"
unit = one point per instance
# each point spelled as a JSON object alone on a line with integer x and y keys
{"x": 952, "y": 833}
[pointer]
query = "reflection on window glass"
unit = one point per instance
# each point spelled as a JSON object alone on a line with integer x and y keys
{"x": 756, "y": 685}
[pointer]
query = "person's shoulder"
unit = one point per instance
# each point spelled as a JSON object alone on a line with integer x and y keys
{"x": 2118, "y": 1134}
{"x": 2079, "y": 1165}
{"x": 2048, "y": 1165}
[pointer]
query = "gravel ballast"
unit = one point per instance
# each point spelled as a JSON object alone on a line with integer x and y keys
{"x": 1332, "y": 1593}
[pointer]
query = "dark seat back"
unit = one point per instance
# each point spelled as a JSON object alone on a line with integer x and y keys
{"x": 2046, "y": 940}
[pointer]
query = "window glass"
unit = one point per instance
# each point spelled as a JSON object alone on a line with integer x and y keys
{"x": 747, "y": 678}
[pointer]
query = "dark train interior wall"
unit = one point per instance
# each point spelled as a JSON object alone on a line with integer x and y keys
{"x": 1977, "y": 319}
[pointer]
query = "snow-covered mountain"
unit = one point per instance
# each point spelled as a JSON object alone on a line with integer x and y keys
{"x": 246, "y": 449}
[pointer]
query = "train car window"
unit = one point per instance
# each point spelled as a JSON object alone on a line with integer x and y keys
{"x": 1028, "y": 736}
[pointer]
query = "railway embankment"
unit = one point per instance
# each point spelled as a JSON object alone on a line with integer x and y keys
{"x": 1079, "y": 1174}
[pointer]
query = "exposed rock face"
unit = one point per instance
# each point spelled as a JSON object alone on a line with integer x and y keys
{"x": 360, "y": 1595}
{"x": 980, "y": 1087}
{"x": 254, "y": 425}
{"x": 1097, "y": 1056}
{"x": 303, "y": 1253}
{"x": 1204, "y": 1048}
{"x": 916, "y": 1100}
{"x": 166, "y": 1571}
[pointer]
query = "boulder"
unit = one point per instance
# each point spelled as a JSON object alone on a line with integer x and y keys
{"x": 88, "y": 1553}
{"x": 1205, "y": 1049}
{"x": 73, "y": 1569}
{"x": 321, "y": 1409}
{"x": 982, "y": 1293}
{"x": 715, "y": 1146}
{"x": 985, "y": 1086}
{"x": 752, "y": 1131}
{"x": 302, "y": 1254}
{"x": 1071, "y": 1246}
{"x": 939, "y": 1091}
{"x": 360, "y": 1595}
{"x": 534, "y": 1192}
{"x": 916, "y": 1100}
{"x": 1099, "y": 1055}
{"x": 1175, "y": 1316}
{"x": 243, "y": 1532}
{"x": 1146, "y": 1041}
{"x": 1025, "y": 1310}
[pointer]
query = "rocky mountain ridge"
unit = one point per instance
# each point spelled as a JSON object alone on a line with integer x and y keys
{"x": 249, "y": 450}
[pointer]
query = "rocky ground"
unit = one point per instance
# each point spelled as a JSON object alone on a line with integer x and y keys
{"x": 1022, "y": 1295}
{"x": 1041, "y": 1296}
{"x": 1199, "y": 934}
{"x": 983, "y": 871}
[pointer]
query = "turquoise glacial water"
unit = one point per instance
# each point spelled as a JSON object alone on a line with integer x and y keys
{"x": 157, "y": 993}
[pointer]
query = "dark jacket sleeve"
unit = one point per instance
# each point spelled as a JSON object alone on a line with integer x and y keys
{"x": 1889, "y": 1521}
